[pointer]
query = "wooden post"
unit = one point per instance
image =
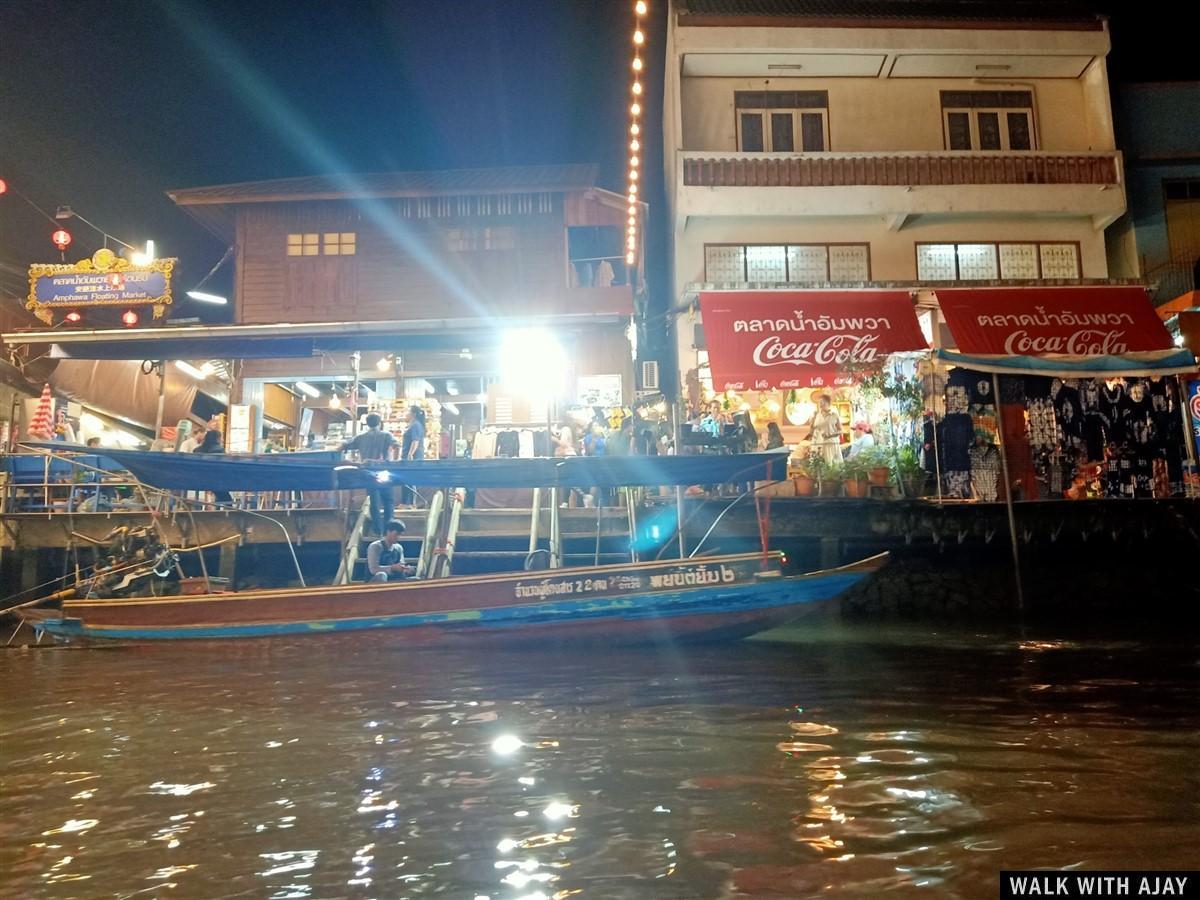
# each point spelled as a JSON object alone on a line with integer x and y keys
{"x": 679, "y": 518}
{"x": 1008, "y": 499}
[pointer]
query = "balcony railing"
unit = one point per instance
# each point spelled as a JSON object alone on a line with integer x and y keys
{"x": 898, "y": 169}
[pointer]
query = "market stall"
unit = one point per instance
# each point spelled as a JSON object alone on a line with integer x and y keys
{"x": 1073, "y": 389}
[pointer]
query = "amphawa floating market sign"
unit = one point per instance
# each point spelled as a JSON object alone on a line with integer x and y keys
{"x": 104, "y": 280}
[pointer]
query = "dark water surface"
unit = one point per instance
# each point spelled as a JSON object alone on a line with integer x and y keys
{"x": 845, "y": 762}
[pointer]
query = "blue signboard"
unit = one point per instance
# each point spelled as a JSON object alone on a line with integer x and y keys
{"x": 89, "y": 288}
{"x": 103, "y": 280}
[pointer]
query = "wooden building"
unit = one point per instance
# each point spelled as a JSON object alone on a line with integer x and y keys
{"x": 465, "y": 256}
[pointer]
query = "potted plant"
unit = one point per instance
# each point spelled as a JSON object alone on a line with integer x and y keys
{"x": 805, "y": 481}
{"x": 830, "y": 478}
{"x": 855, "y": 470}
{"x": 878, "y": 464}
{"x": 910, "y": 473}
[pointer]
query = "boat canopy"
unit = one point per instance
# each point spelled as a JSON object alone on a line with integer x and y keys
{"x": 324, "y": 471}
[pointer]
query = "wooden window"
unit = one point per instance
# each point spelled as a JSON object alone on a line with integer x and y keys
{"x": 340, "y": 243}
{"x": 304, "y": 244}
{"x": 988, "y": 120}
{"x": 782, "y": 121}
{"x": 787, "y": 263}
{"x": 1011, "y": 261}
{"x": 463, "y": 240}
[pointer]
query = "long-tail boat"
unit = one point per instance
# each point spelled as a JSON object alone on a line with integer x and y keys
{"x": 700, "y": 597}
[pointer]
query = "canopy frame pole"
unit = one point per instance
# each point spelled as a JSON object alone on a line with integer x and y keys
{"x": 555, "y": 531}
{"x": 1008, "y": 498}
{"x": 933, "y": 421}
{"x": 535, "y": 520}
{"x": 679, "y": 519}
{"x": 161, "y": 366}
{"x": 631, "y": 513}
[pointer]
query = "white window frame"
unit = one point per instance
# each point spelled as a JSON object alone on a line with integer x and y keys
{"x": 797, "y": 127}
{"x": 1002, "y": 113}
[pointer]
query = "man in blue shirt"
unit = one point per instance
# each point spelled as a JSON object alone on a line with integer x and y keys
{"x": 376, "y": 444}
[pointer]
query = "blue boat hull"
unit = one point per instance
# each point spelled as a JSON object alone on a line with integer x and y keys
{"x": 545, "y": 604}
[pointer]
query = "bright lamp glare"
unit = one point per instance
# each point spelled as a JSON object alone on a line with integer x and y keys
{"x": 207, "y": 298}
{"x": 191, "y": 370}
{"x": 532, "y": 361}
{"x": 308, "y": 389}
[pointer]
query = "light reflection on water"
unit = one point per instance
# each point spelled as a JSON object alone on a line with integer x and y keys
{"x": 851, "y": 763}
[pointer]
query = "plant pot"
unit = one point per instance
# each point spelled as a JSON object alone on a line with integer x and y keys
{"x": 857, "y": 487}
{"x": 880, "y": 476}
{"x": 914, "y": 485}
{"x": 805, "y": 486}
{"x": 831, "y": 488}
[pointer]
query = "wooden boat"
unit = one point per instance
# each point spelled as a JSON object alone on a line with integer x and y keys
{"x": 700, "y": 598}
{"x": 720, "y": 597}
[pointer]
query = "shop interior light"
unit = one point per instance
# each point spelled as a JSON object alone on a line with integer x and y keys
{"x": 532, "y": 362}
{"x": 384, "y": 363}
{"x": 204, "y": 297}
{"x": 306, "y": 388}
{"x": 335, "y": 402}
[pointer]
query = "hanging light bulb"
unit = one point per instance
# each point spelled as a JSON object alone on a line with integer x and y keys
{"x": 637, "y": 64}
{"x": 637, "y": 87}
{"x": 635, "y": 144}
{"x": 335, "y": 402}
{"x": 633, "y": 174}
{"x": 633, "y": 161}
{"x": 636, "y": 109}
{"x": 384, "y": 364}
{"x": 629, "y": 257}
{"x": 631, "y": 242}
{"x": 640, "y": 7}
{"x": 633, "y": 189}
{"x": 639, "y": 38}
{"x": 633, "y": 220}
{"x": 635, "y": 128}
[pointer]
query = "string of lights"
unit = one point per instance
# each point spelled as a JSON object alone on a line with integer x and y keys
{"x": 635, "y": 131}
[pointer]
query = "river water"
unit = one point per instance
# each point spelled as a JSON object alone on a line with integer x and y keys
{"x": 834, "y": 760}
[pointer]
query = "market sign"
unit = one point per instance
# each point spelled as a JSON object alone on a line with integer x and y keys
{"x": 1070, "y": 321}
{"x": 104, "y": 280}
{"x": 767, "y": 340}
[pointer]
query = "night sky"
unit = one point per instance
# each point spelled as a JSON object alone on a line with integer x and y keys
{"x": 106, "y": 105}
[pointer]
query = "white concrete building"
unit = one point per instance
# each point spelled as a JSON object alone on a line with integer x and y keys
{"x": 812, "y": 143}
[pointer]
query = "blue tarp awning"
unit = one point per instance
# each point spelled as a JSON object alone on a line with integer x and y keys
{"x": 1151, "y": 364}
{"x": 325, "y": 471}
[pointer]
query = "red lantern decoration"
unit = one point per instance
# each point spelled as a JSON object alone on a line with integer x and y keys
{"x": 61, "y": 238}
{"x": 74, "y": 316}
{"x": 3, "y": 186}
{"x": 129, "y": 318}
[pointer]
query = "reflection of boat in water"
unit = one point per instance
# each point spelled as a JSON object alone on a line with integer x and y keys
{"x": 709, "y": 597}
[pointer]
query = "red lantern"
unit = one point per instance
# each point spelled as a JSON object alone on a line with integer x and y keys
{"x": 3, "y": 186}
{"x": 61, "y": 238}
{"x": 129, "y": 318}
{"x": 74, "y": 316}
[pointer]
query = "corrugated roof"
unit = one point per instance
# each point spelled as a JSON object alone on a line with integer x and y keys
{"x": 1065, "y": 11}
{"x": 513, "y": 179}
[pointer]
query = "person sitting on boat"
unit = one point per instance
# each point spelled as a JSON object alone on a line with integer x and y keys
{"x": 385, "y": 557}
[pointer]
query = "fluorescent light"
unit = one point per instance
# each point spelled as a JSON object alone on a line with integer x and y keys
{"x": 191, "y": 370}
{"x": 208, "y": 298}
{"x": 451, "y": 408}
{"x": 308, "y": 389}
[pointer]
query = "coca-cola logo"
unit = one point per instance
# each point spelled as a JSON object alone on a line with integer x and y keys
{"x": 1085, "y": 342}
{"x": 837, "y": 349}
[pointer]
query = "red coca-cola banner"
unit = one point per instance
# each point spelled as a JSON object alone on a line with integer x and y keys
{"x": 765, "y": 340}
{"x": 1052, "y": 321}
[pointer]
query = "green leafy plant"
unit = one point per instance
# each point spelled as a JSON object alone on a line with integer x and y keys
{"x": 856, "y": 467}
{"x": 908, "y": 464}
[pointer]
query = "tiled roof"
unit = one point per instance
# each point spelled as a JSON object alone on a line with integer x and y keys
{"x": 515, "y": 179}
{"x": 926, "y": 10}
